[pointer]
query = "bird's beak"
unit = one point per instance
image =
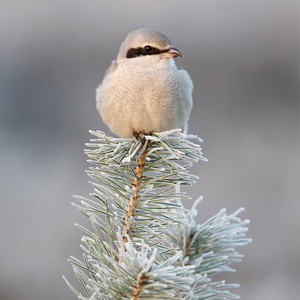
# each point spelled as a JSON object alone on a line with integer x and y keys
{"x": 170, "y": 52}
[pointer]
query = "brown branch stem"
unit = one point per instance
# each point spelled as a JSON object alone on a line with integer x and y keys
{"x": 133, "y": 200}
{"x": 138, "y": 287}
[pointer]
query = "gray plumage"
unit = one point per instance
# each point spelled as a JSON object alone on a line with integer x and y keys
{"x": 143, "y": 91}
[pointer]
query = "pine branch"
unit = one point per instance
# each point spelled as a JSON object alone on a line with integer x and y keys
{"x": 143, "y": 243}
{"x": 128, "y": 226}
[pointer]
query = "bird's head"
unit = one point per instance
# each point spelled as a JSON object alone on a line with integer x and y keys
{"x": 147, "y": 43}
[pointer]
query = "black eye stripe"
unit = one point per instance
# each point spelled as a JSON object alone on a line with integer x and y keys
{"x": 135, "y": 52}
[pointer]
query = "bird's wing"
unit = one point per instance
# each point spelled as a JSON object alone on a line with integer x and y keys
{"x": 112, "y": 68}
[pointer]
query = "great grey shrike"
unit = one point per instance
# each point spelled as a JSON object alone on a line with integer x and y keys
{"x": 144, "y": 91}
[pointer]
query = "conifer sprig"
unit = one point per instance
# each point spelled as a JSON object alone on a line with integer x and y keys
{"x": 143, "y": 243}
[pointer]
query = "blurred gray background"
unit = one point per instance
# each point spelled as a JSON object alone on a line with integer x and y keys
{"x": 243, "y": 57}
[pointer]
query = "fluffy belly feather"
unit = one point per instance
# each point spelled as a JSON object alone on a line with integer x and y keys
{"x": 145, "y": 100}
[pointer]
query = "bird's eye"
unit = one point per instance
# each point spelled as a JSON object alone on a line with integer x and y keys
{"x": 148, "y": 49}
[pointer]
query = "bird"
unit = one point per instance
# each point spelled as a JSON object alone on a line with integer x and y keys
{"x": 143, "y": 91}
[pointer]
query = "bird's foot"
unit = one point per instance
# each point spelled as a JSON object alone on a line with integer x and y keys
{"x": 136, "y": 135}
{"x": 139, "y": 135}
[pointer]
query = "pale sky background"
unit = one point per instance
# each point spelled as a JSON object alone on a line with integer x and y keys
{"x": 243, "y": 57}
